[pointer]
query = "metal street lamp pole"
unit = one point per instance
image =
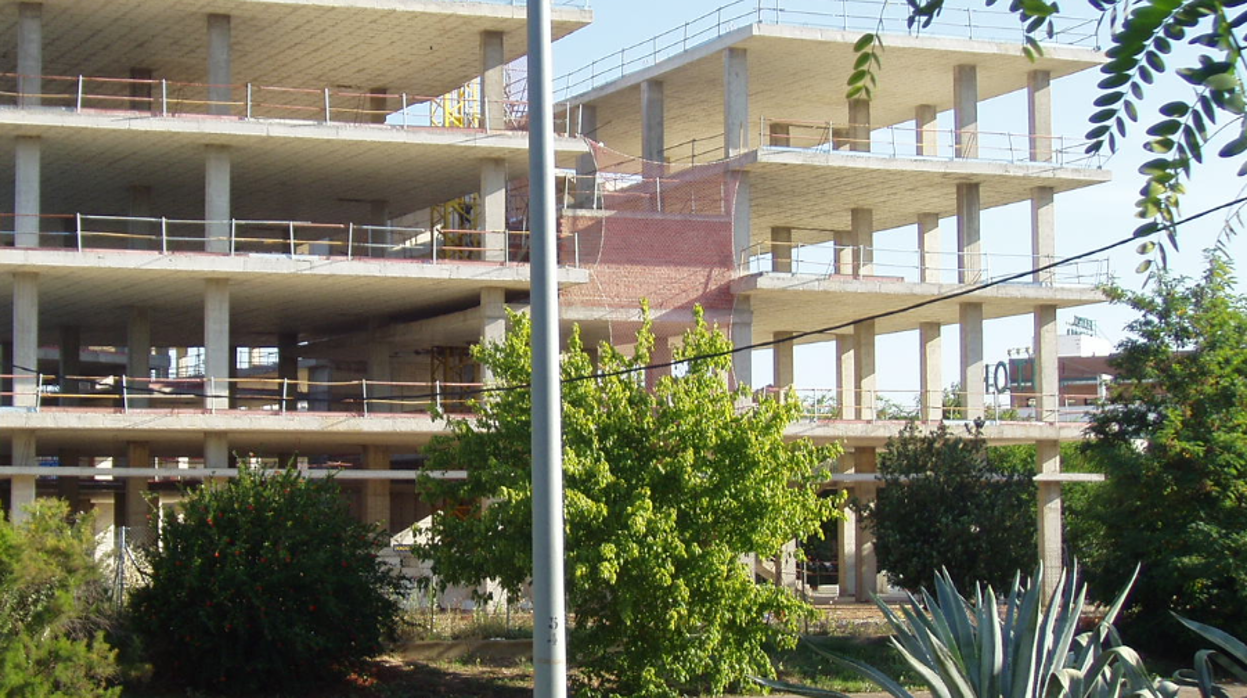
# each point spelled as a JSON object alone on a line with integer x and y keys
{"x": 549, "y": 620}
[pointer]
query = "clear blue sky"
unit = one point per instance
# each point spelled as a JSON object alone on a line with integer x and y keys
{"x": 1085, "y": 219}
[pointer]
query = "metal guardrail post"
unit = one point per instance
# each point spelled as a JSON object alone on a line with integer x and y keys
{"x": 404, "y": 110}
{"x": 233, "y": 235}
{"x": 164, "y": 97}
{"x": 437, "y": 394}
{"x": 125, "y": 396}
{"x": 291, "y": 227}
{"x": 78, "y": 225}
{"x": 433, "y": 241}
{"x": 248, "y": 100}
{"x": 164, "y": 235}
{"x": 350, "y": 239}
{"x": 327, "y": 114}
{"x": 285, "y": 391}
{"x": 78, "y": 98}
{"x": 363, "y": 387}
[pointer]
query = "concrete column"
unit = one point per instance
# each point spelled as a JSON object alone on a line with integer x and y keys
{"x": 379, "y": 104}
{"x": 220, "y": 72}
{"x": 586, "y": 165}
{"x": 845, "y": 254}
{"x": 971, "y": 320}
{"x": 653, "y": 123}
{"x": 926, "y": 130}
{"x": 144, "y": 233}
{"x": 781, "y": 250}
{"x": 6, "y": 369}
{"x": 216, "y": 451}
{"x": 70, "y": 353}
{"x": 130, "y": 505}
{"x": 661, "y": 354}
{"x": 742, "y": 335}
{"x": 376, "y": 504}
{"x": 380, "y": 369}
{"x": 1047, "y": 372}
{"x": 217, "y": 208}
{"x": 969, "y": 248}
{"x": 846, "y": 375}
{"x": 217, "y": 359}
{"x": 1039, "y": 103}
{"x": 27, "y": 195}
{"x": 22, "y": 487}
{"x": 863, "y": 232}
{"x": 493, "y": 214}
{"x": 735, "y": 102}
{"x": 1043, "y": 233}
{"x": 867, "y": 561}
{"x": 141, "y": 91}
{"x": 864, "y": 368}
{"x": 493, "y": 321}
{"x": 139, "y": 355}
{"x": 846, "y": 550}
{"x": 30, "y": 54}
{"x": 783, "y": 360}
{"x": 1048, "y": 462}
{"x": 930, "y": 372}
{"x": 288, "y": 368}
{"x": 859, "y": 125}
{"x": 742, "y": 217}
{"x": 25, "y": 339}
{"x": 929, "y": 271}
{"x": 966, "y": 111}
{"x": 493, "y": 82}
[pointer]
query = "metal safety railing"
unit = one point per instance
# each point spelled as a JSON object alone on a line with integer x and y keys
{"x": 937, "y": 143}
{"x": 913, "y": 266}
{"x": 266, "y": 237}
{"x": 328, "y": 105}
{"x": 857, "y": 16}
{"x": 858, "y": 405}
{"x": 648, "y": 193}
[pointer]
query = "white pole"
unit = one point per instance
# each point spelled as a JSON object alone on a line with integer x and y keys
{"x": 549, "y": 620}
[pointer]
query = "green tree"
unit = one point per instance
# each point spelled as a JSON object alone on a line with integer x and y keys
{"x": 265, "y": 583}
{"x": 51, "y": 596}
{"x": 1172, "y": 441}
{"x": 949, "y": 502}
{"x": 665, "y": 491}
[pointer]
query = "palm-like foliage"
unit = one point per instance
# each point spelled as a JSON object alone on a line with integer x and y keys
{"x": 1232, "y": 657}
{"x": 1024, "y": 648}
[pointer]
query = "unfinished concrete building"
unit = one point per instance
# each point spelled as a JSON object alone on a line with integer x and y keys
{"x": 274, "y": 228}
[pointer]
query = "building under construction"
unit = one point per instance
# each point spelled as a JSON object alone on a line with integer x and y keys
{"x": 272, "y": 229}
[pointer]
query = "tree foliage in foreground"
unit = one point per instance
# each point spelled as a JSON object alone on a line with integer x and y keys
{"x": 51, "y": 605}
{"x": 1172, "y": 441}
{"x": 948, "y": 502}
{"x": 265, "y": 583}
{"x": 665, "y": 491}
{"x": 1144, "y": 35}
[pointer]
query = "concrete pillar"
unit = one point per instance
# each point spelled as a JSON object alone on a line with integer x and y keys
{"x": 69, "y": 488}
{"x": 131, "y": 507}
{"x": 867, "y": 560}
{"x": 1039, "y": 103}
{"x": 22, "y": 488}
{"x": 781, "y": 250}
{"x": 845, "y": 254}
{"x": 653, "y": 124}
{"x": 930, "y": 372}
{"x": 27, "y": 195}
{"x": 742, "y": 217}
{"x": 783, "y": 360}
{"x": 217, "y": 208}
{"x": 493, "y": 210}
{"x": 25, "y": 339}
{"x": 139, "y": 356}
{"x": 969, "y": 248}
{"x": 493, "y": 321}
{"x": 29, "y": 54}
{"x": 971, "y": 320}
{"x": 1048, "y": 462}
{"x": 143, "y": 233}
{"x": 380, "y": 369}
{"x": 846, "y": 375}
{"x": 586, "y": 164}
{"x": 288, "y": 368}
{"x": 6, "y": 369}
{"x": 846, "y": 550}
{"x": 379, "y": 105}
{"x": 966, "y": 111}
{"x": 1043, "y": 233}
{"x": 864, "y": 368}
{"x": 859, "y": 125}
{"x": 1046, "y": 366}
{"x": 929, "y": 271}
{"x": 376, "y": 504}
{"x": 220, "y": 73}
{"x": 735, "y": 101}
{"x": 141, "y": 91}
{"x": 70, "y": 353}
{"x": 926, "y": 130}
{"x": 493, "y": 82}
{"x": 660, "y": 354}
{"x": 742, "y": 335}
{"x": 217, "y": 347}
{"x": 216, "y": 451}
{"x": 863, "y": 232}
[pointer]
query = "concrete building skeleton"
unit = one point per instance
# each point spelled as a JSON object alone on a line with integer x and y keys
{"x": 273, "y": 227}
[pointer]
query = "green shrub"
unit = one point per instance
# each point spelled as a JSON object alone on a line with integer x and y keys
{"x": 51, "y": 596}
{"x": 265, "y": 583}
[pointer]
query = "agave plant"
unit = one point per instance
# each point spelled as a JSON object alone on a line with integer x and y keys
{"x": 1232, "y": 658}
{"x": 970, "y": 649}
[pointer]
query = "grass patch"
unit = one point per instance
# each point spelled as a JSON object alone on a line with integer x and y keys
{"x": 805, "y": 666}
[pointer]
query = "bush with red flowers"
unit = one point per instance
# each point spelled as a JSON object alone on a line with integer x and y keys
{"x": 265, "y": 583}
